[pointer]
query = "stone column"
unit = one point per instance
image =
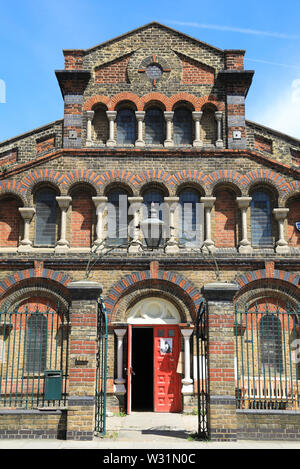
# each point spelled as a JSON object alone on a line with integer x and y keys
{"x": 27, "y": 215}
{"x": 169, "y": 119}
{"x": 245, "y": 245}
{"x": 82, "y": 359}
{"x": 135, "y": 210}
{"x": 219, "y": 142}
{"x": 187, "y": 382}
{"x": 64, "y": 202}
{"x": 197, "y": 118}
{"x": 208, "y": 205}
{"x": 172, "y": 243}
{"x": 140, "y": 115}
{"x": 100, "y": 204}
{"x": 281, "y": 245}
{"x": 111, "y": 116}
{"x": 120, "y": 381}
{"x": 90, "y": 116}
{"x": 222, "y": 420}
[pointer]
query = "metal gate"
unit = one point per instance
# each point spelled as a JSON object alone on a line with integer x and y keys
{"x": 101, "y": 357}
{"x": 34, "y": 346}
{"x": 267, "y": 357}
{"x": 201, "y": 333}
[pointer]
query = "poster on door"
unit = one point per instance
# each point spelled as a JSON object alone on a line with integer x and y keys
{"x": 166, "y": 346}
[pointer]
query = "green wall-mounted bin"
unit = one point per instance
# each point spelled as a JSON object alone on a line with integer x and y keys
{"x": 53, "y": 385}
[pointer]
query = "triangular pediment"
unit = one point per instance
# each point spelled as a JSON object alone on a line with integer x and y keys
{"x": 152, "y": 26}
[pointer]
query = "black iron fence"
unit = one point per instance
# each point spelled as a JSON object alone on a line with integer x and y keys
{"x": 201, "y": 333}
{"x": 34, "y": 345}
{"x": 267, "y": 357}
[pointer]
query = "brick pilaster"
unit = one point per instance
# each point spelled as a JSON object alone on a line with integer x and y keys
{"x": 221, "y": 351}
{"x": 82, "y": 359}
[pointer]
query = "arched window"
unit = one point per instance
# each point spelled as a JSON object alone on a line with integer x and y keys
{"x": 154, "y": 125}
{"x": 190, "y": 218}
{"x": 117, "y": 217}
{"x": 261, "y": 223}
{"x": 156, "y": 197}
{"x": 125, "y": 126}
{"x": 45, "y": 221}
{"x": 182, "y": 125}
{"x": 153, "y": 196}
{"x": 36, "y": 343}
{"x": 270, "y": 331}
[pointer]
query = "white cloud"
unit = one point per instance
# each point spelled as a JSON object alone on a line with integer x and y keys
{"x": 283, "y": 114}
{"x": 219, "y": 27}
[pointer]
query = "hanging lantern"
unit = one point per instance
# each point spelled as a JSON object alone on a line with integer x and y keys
{"x": 152, "y": 229}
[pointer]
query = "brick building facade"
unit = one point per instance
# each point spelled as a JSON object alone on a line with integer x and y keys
{"x": 154, "y": 116}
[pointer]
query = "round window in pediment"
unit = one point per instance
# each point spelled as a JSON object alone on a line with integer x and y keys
{"x": 154, "y": 71}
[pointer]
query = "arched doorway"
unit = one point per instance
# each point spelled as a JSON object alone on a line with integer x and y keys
{"x": 153, "y": 383}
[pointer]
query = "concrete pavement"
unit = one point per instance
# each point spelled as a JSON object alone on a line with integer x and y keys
{"x": 147, "y": 430}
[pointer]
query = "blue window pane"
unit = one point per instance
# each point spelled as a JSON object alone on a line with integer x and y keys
{"x": 188, "y": 200}
{"x": 261, "y": 226}
{"x": 270, "y": 342}
{"x": 154, "y": 124}
{"x": 117, "y": 222}
{"x": 36, "y": 343}
{"x": 125, "y": 126}
{"x": 45, "y": 224}
{"x": 156, "y": 197}
{"x": 182, "y": 125}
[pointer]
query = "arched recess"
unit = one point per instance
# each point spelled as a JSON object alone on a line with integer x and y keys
{"x": 35, "y": 282}
{"x": 282, "y": 286}
{"x": 293, "y": 218}
{"x": 100, "y": 124}
{"x": 83, "y": 217}
{"x": 165, "y": 284}
{"x": 208, "y": 126}
{"x": 10, "y": 221}
{"x": 226, "y": 217}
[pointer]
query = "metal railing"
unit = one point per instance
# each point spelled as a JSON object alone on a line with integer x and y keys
{"x": 267, "y": 363}
{"x": 33, "y": 342}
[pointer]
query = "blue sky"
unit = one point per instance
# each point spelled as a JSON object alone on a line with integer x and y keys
{"x": 34, "y": 32}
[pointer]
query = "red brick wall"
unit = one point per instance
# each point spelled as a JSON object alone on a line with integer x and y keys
{"x": 114, "y": 72}
{"x": 225, "y": 219}
{"x": 295, "y": 157}
{"x": 293, "y": 217}
{"x": 193, "y": 73}
{"x": 8, "y": 157}
{"x": 46, "y": 144}
{"x": 9, "y": 223}
{"x": 83, "y": 217}
{"x": 73, "y": 59}
{"x": 234, "y": 60}
{"x": 262, "y": 144}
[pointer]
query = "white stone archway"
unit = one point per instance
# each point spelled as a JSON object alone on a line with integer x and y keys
{"x": 153, "y": 311}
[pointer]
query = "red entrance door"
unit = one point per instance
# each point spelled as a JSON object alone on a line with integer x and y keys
{"x": 167, "y": 383}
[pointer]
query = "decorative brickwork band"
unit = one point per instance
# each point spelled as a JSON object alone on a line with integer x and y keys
{"x": 262, "y": 274}
{"x": 137, "y": 278}
{"x": 48, "y": 274}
